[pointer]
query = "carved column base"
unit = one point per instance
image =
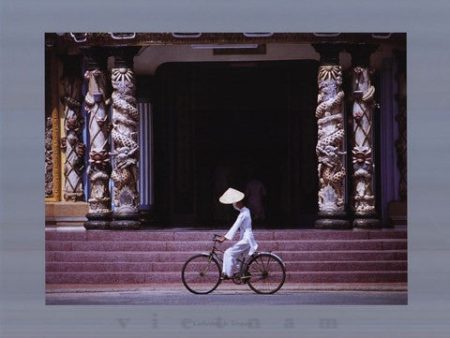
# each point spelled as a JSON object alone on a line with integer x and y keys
{"x": 129, "y": 221}
{"x": 332, "y": 221}
{"x": 73, "y": 196}
{"x": 368, "y": 222}
{"x": 98, "y": 221}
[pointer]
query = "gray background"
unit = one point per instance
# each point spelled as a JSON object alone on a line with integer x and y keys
{"x": 22, "y": 26}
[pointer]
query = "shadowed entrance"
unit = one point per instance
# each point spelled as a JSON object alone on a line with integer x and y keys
{"x": 222, "y": 124}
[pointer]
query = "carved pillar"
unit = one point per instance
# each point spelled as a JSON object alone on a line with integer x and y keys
{"x": 49, "y": 177}
{"x": 48, "y": 157}
{"x": 97, "y": 102}
{"x": 125, "y": 152}
{"x": 400, "y": 144}
{"x": 362, "y": 139}
{"x": 331, "y": 140}
{"x": 72, "y": 143}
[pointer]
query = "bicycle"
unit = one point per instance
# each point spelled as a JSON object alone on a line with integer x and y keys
{"x": 264, "y": 272}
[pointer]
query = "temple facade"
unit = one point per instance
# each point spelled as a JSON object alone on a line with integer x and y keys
{"x": 146, "y": 130}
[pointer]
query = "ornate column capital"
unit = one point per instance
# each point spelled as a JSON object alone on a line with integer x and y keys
{"x": 123, "y": 56}
{"x": 361, "y": 53}
{"x": 329, "y": 52}
{"x": 95, "y": 58}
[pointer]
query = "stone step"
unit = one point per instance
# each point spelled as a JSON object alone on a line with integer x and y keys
{"x": 175, "y": 277}
{"x": 146, "y": 256}
{"x": 280, "y": 245}
{"x": 300, "y": 266}
{"x": 206, "y": 235}
{"x": 164, "y": 256}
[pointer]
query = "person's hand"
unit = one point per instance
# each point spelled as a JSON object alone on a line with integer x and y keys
{"x": 221, "y": 239}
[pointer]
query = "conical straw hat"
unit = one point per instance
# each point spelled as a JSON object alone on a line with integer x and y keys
{"x": 231, "y": 196}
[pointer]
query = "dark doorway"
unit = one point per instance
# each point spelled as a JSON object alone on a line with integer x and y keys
{"x": 222, "y": 124}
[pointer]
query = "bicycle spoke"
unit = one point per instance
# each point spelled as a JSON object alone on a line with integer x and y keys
{"x": 201, "y": 274}
{"x": 268, "y": 260}
{"x": 268, "y": 285}
{"x": 256, "y": 268}
{"x": 256, "y": 278}
{"x": 207, "y": 267}
{"x": 267, "y": 274}
{"x": 261, "y": 266}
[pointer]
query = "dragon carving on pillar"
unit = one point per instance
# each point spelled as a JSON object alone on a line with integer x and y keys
{"x": 329, "y": 149}
{"x": 124, "y": 135}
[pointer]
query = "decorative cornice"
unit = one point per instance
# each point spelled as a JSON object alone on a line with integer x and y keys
{"x": 146, "y": 39}
{"x": 329, "y": 52}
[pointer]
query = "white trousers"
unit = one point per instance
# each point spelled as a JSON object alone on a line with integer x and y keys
{"x": 231, "y": 254}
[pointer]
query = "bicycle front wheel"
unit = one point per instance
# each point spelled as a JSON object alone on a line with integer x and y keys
{"x": 267, "y": 273}
{"x": 201, "y": 274}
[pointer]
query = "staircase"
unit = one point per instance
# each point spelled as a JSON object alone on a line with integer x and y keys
{"x": 157, "y": 256}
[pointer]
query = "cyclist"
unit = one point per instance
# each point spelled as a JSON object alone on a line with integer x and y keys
{"x": 246, "y": 243}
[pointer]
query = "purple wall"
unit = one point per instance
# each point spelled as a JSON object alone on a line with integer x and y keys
{"x": 388, "y": 171}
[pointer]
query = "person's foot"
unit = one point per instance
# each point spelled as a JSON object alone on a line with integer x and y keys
{"x": 224, "y": 276}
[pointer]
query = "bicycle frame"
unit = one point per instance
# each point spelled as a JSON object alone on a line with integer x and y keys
{"x": 243, "y": 276}
{"x": 243, "y": 263}
{"x": 213, "y": 253}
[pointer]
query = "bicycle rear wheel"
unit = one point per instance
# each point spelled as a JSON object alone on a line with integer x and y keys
{"x": 201, "y": 274}
{"x": 267, "y": 273}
